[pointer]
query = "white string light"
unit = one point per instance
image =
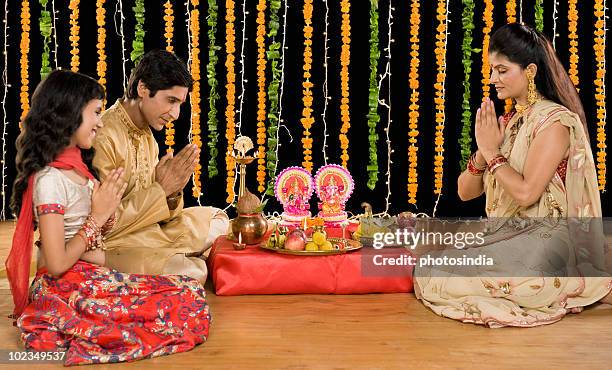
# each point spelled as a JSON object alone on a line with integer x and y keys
{"x": 4, "y": 123}
{"x": 443, "y": 89}
{"x": 241, "y": 97}
{"x": 242, "y": 68}
{"x": 188, "y": 25}
{"x": 387, "y": 76}
{"x": 326, "y": 96}
{"x": 54, "y": 18}
{"x": 119, "y": 32}
{"x": 521, "y": 11}
{"x": 555, "y": 17}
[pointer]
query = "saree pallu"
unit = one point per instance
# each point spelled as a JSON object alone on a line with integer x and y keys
{"x": 99, "y": 315}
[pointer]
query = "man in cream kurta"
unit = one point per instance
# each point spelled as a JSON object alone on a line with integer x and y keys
{"x": 154, "y": 234}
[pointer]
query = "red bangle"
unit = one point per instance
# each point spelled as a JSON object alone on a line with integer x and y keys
{"x": 497, "y": 161}
{"x": 473, "y": 167}
{"x": 109, "y": 224}
{"x": 92, "y": 234}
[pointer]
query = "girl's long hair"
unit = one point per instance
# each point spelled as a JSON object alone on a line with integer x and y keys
{"x": 55, "y": 115}
{"x": 524, "y": 45}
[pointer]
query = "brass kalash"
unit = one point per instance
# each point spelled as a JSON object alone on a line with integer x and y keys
{"x": 250, "y": 226}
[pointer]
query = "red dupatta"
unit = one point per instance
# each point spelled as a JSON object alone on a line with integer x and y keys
{"x": 18, "y": 261}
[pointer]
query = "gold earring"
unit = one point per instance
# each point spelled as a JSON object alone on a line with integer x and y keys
{"x": 532, "y": 95}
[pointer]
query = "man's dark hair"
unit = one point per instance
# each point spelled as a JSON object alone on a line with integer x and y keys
{"x": 158, "y": 70}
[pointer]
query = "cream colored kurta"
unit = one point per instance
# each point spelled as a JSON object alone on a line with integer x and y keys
{"x": 149, "y": 237}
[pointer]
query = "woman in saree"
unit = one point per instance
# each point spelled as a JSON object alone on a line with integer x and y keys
{"x": 536, "y": 169}
{"x": 74, "y": 304}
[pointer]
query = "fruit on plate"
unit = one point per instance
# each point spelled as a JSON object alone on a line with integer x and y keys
{"x": 326, "y": 246}
{"x": 312, "y": 247}
{"x": 319, "y": 237}
{"x": 296, "y": 240}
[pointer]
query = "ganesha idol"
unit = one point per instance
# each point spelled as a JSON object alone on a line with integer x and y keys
{"x": 293, "y": 189}
{"x": 334, "y": 185}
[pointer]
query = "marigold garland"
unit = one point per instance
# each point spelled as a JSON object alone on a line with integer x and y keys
{"x": 194, "y": 26}
{"x": 213, "y": 95}
{"x": 345, "y": 60}
{"x": 169, "y": 25}
{"x": 466, "y": 116}
{"x": 261, "y": 95}
{"x": 600, "y": 89}
{"x": 539, "y": 15}
{"x": 24, "y": 47}
{"x": 100, "y": 21}
{"x": 74, "y": 34}
{"x": 486, "y": 66}
{"x": 139, "y": 32}
{"x": 573, "y": 37}
{"x": 511, "y": 11}
{"x": 440, "y": 52}
{"x": 273, "y": 55}
{"x": 413, "y": 120}
{"x": 230, "y": 86}
{"x": 45, "y": 32}
{"x": 307, "y": 120}
{"x": 511, "y": 17}
{"x": 169, "y": 35}
{"x": 373, "y": 117}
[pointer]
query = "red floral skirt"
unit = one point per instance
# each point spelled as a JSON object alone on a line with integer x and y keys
{"x": 99, "y": 315}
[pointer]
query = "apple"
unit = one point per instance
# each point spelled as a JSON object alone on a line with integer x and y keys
{"x": 296, "y": 240}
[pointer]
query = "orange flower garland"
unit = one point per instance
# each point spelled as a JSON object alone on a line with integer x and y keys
{"x": 511, "y": 16}
{"x": 307, "y": 120}
{"x": 230, "y": 86}
{"x": 261, "y": 96}
{"x": 169, "y": 27}
{"x": 100, "y": 21}
{"x": 74, "y": 34}
{"x": 194, "y": 26}
{"x": 413, "y": 120}
{"x": 169, "y": 32}
{"x": 486, "y": 67}
{"x": 345, "y": 60}
{"x": 24, "y": 46}
{"x": 600, "y": 90}
{"x": 511, "y": 11}
{"x": 440, "y": 95}
{"x": 573, "y": 37}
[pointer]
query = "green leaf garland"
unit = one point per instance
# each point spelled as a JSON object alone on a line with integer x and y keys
{"x": 373, "y": 117}
{"x": 539, "y": 15}
{"x": 139, "y": 33}
{"x": 467, "y": 20}
{"x": 211, "y": 75}
{"x": 273, "y": 55}
{"x": 45, "y": 31}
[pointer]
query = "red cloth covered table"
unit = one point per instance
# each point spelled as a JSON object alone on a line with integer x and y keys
{"x": 259, "y": 271}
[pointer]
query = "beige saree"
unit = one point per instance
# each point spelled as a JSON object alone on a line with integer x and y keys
{"x": 534, "y": 296}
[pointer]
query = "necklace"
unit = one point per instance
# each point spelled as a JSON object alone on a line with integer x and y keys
{"x": 520, "y": 109}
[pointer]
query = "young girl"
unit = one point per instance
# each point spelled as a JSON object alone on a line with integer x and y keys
{"x": 95, "y": 314}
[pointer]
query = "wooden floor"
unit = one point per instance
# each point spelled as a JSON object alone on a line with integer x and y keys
{"x": 362, "y": 331}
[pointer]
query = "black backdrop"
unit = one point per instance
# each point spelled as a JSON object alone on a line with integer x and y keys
{"x": 290, "y": 152}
